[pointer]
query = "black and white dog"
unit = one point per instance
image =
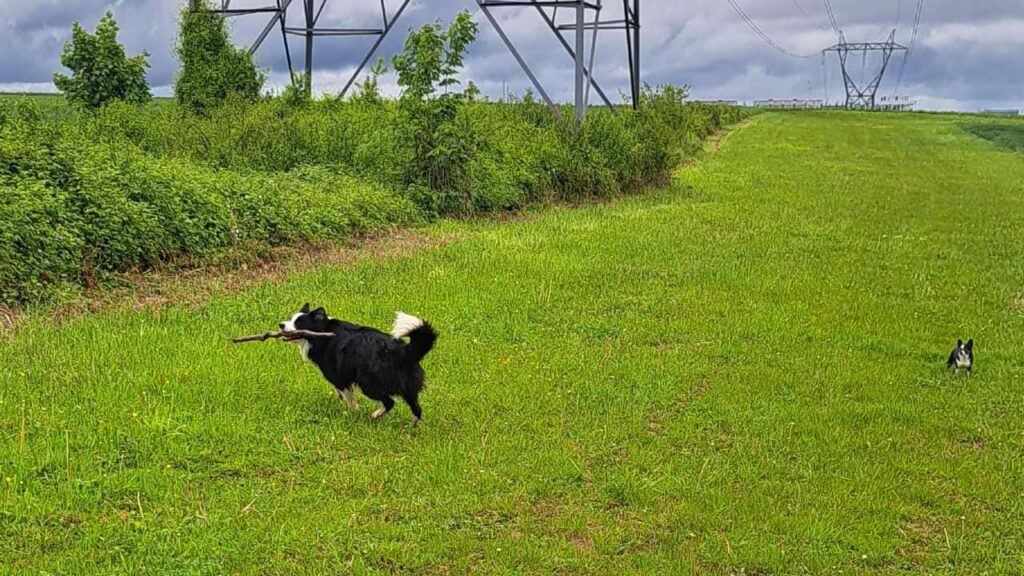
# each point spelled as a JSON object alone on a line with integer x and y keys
{"x": 962, "y": 356}
{"x": 382, "y": 365}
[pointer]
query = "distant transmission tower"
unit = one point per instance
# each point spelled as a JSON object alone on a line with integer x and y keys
{"x": 863, "y": 96}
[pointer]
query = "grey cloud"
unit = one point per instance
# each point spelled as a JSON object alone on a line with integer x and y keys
{"x": 966, "y": 54}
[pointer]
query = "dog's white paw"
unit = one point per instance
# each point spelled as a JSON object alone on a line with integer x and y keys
{"x": 350, "y": 398}
{"x": 378, "y": 413}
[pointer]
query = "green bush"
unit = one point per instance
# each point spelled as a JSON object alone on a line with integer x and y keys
{"x": 518, "y": 152}
{"x": 100, "y": 71}
{"x": 212, "y": 69}
{"x": 73, "y": 207}
{"x": 129, "y": 187}
{"x": 368, "y": 92}
{"x": 516, "y": 146}
{"x": 298, "y": 92}
{"x": 40, "y": 241}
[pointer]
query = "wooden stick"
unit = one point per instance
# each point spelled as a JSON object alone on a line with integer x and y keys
{"x": 284, "y": 335}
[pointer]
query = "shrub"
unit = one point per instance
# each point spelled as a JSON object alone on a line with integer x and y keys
{"x": 106, "y": 206}
{"x": 100, "y": 70}
{"x": 506, "y": 154}
{"x": 297, "y": 93}
{"x": 85, "y": 194}
{"x": 369, "y": 91}
{"x": 40, "y": 244}
{"x": 212, "y": 69}
{"x": 442, "y": 140}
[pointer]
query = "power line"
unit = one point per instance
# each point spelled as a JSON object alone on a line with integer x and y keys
{"x": 831, "y": 15}
{"x": 863, "y": 64}
{"x": 903, "y": 61}
{"x": 824, "y": 77}
{"x": 899, "y": 76}
{"x": 764, "y": 37}
{"x": 917, "y": 25}
{"x": 801, "y": 8}
{"x": 910, "y": 48}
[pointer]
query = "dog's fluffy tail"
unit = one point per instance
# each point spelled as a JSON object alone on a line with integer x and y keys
{"x": 421, "y": 335}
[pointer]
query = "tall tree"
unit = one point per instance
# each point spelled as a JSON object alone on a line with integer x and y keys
{"x": 100, "y": 70}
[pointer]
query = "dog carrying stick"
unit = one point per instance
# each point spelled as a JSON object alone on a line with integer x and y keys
{"x": 290, "y": 335}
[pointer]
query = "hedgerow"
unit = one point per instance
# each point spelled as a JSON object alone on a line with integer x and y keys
{"x": 73, "y": 208}
{"x": 129, "y": 188}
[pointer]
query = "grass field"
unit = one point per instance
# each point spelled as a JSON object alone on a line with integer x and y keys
{"x": 743, "y": 373}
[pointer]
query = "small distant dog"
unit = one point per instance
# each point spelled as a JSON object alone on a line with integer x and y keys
{"x": 962, "y": 356}
{"x": 382, "y": 365}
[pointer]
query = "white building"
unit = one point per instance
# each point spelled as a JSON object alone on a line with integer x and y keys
{"x": 790, "y": 104}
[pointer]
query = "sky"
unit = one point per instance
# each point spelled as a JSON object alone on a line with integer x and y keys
{"x": 967, "y": 55}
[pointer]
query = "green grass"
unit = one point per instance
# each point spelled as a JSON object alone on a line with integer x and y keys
{"x": 52, "y": 106}
{"x": 1009, "y": 136}
{"x": 741, "y": 373}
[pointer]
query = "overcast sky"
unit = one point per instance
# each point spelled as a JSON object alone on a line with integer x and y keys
{"x": 968, "y": 54}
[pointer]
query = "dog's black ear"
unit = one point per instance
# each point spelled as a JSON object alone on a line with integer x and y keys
{"x": 970, "y": 343}
{"x": 305, "y": 308}
{"x": 320, "y": 314}
{"x": 959, "y": 343}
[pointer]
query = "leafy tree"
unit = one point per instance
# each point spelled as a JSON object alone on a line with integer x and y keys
{"x": 443, "y": 141}
{"x": 100, "y": 70}
{"x": 211, "y": 67}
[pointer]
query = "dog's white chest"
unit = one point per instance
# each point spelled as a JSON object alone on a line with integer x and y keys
{"x": 304, "y": 348}
{"x": 963, "y": 360}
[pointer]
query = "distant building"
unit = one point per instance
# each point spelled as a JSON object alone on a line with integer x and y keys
{"x": 895, "y": 103}
{"x": 1006, "y": 112}
{"x": 789, "y": 104}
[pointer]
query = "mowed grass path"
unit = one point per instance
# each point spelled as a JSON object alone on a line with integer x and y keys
{"x": 744, "y": 372}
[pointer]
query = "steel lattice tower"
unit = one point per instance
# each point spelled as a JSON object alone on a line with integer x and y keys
{"x": 857, "y": 96}
{"x": 583, "y": 15}
{"x": 310, "y": 29}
